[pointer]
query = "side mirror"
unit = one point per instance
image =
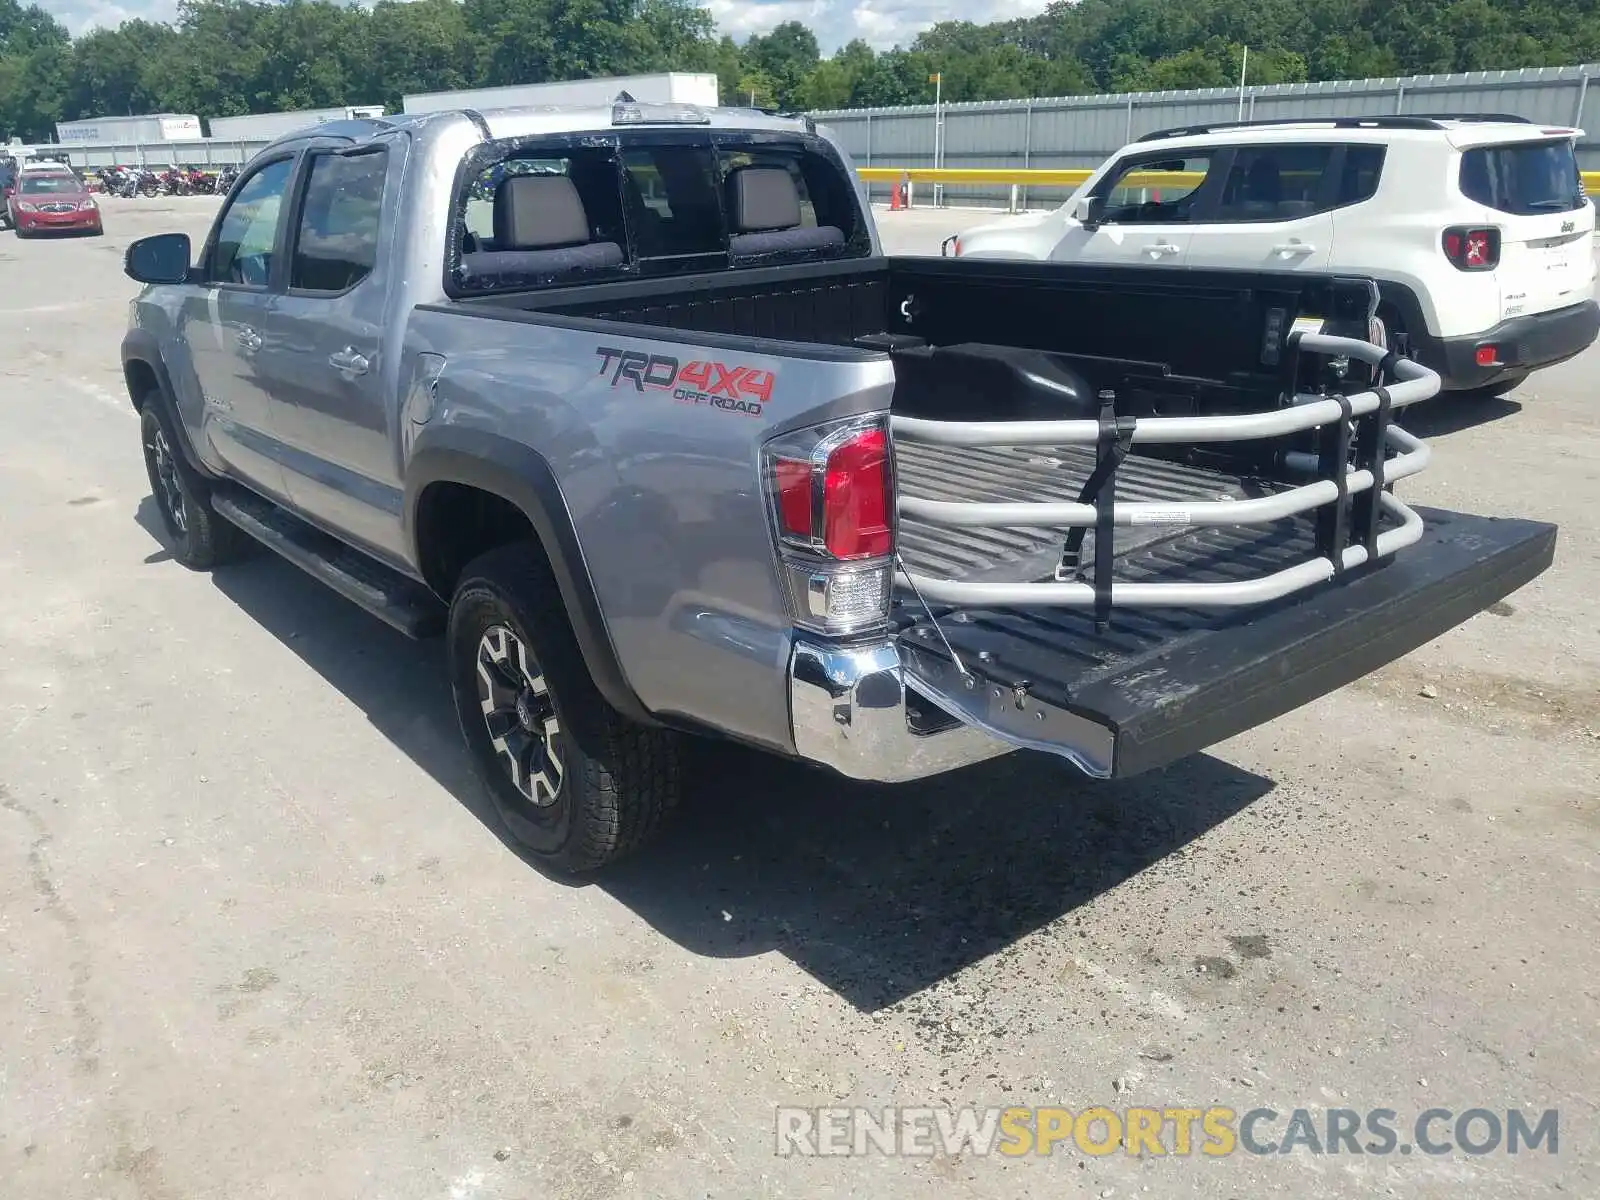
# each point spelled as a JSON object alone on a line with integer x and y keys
{"x": 1088, "y": 211}
{"x": 160, "y": 258}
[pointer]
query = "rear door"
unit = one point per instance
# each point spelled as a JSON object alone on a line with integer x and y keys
{"x": 1151, "y": 200}
{"x": 1274, "y": 210}
{"x": 1534, "y": 194}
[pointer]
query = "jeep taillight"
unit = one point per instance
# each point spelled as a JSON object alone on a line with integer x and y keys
{"x": 1472, "y": 249}
{"x": 832, "y": 495}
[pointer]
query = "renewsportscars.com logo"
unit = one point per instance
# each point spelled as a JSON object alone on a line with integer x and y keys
{"x": 712, "y": 384}
{"x": 1139, "y": 1131}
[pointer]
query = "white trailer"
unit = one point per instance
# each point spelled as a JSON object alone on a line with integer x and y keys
{"x": 669, "y": 88}
{"x": 264, "y": 127}
{"x": 154, "y": 127}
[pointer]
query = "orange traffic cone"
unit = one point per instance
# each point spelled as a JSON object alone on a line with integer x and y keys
{"x": 898, "y": 195}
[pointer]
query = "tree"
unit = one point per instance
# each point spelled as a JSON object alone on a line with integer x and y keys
{"x": 786, "y": 56}
{"x": 224, "y": 57}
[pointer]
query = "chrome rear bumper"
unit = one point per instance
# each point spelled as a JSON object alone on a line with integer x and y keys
{"x": 849, "y": 709}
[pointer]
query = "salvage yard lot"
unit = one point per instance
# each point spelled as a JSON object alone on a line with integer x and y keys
{"x": 261, "y": 937}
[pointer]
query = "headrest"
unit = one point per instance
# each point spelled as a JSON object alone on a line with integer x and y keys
{"x": 535, "y": 212}
{"x": 762, "y": 198}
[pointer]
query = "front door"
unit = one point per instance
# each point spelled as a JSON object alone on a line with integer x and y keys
{"x": 326, "y": 342}
{"x": 222, "y": 324}
{"x": 1149, "y": 201}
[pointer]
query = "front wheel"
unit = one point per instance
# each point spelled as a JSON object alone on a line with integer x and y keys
{"x": 573, "y": 781}
{"x": 199, "y": 538}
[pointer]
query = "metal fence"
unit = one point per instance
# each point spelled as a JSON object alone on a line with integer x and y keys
{"x": 202, "y": 152}
{"x": 1080, "y": 131}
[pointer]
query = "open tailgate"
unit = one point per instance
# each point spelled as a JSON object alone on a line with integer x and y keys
{"x": 1159, "y": 684}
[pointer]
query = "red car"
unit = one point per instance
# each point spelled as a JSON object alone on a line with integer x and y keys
{"x": 46, "y": 201}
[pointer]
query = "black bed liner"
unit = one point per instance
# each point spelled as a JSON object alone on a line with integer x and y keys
{"x": 1033, "y": 474}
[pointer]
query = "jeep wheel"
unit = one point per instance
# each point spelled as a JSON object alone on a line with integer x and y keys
{"x": 575, "y": 782}
{"x": 198, "y": 537}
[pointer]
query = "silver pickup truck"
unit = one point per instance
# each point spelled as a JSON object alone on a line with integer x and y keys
{"x": 629, "y": 406}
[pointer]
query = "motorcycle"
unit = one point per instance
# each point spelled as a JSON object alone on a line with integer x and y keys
{"x": 173, "y": 182}
{"x": 111, "y": 180}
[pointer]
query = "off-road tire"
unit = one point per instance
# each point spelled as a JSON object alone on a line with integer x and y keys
{"x": 196, "y": 535}
{"x": 615, "y": 780}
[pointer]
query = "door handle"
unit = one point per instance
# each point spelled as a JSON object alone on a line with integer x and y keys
{"x": 348, "y": 363}
{"x": 249, "y": 340}
{"x": 1293, "y": 247}
{"x": 1162, "y": 249}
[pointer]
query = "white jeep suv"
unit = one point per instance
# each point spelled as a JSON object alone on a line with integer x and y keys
{"x": 1477, "y": 229}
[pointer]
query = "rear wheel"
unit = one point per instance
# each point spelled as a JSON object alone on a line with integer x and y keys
{"x": 197, "y": 536}
{"x": 575, "y": 782}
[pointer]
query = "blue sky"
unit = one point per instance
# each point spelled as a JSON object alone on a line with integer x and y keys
{"x": 884, "y": 23}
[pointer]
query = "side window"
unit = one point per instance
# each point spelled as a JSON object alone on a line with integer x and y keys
{"x": 1275, "y": 183}
{"x": 336, "y": 245}
{"x": 249, "y": 230}
{"x": 673, "y": 208}
{"x": 1363, "y": 167}
{"x": 1154, "y": 191}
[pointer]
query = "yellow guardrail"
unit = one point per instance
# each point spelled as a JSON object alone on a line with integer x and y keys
{"x": 1036, "y": 178}
{"x": 1032, "y": 177}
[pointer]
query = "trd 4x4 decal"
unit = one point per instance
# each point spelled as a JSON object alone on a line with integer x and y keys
{"x": 713, "y": 384}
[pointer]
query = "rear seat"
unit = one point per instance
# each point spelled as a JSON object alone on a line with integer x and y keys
{"x": 540, "y": 228}
{"x": 764, "y": 208}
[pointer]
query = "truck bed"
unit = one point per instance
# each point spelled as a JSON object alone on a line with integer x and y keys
{"x": 1033, "y": 473}
{"x": 1002, "y": 341}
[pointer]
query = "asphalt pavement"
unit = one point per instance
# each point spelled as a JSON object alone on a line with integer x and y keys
{"x": 261, "y": 937}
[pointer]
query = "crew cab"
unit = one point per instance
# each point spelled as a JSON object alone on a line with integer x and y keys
{"x": 627, "y": 405}
{"x": 1477, "y": 228}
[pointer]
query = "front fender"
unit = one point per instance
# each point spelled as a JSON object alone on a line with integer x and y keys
{"x": 141, "y": 357}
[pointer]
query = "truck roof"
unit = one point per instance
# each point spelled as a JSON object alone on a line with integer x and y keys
{"x": 537, "y": 120}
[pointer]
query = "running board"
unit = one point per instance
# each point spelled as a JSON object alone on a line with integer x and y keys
{"x": 385, "y": 593}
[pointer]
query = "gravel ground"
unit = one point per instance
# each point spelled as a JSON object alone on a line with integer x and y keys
{"x": 262, "y": 939}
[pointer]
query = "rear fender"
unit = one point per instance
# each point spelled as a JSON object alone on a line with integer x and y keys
{"x": 520, "y": 475}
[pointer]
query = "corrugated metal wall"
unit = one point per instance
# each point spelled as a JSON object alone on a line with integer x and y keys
{"x": 1080, "y": 131}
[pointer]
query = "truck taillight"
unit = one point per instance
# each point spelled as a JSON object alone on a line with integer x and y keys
{"x": 1472, "y": 249}
{"x": 832, "y": 495}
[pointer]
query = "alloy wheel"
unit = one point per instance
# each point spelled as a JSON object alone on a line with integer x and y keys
{"x": 519, "y": 713}
{"x": 171, "y": 489}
